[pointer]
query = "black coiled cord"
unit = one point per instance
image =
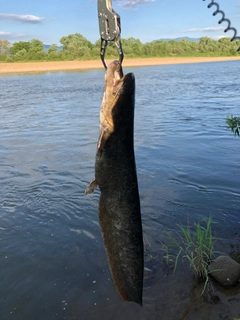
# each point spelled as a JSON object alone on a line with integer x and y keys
{"x": 235, "y": 37}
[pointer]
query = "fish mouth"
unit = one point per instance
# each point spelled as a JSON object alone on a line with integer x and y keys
{"x": 114, "y": 72}
{"x": 118, "y": 88}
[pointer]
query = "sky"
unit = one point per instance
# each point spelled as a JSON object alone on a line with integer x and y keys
{"x": 147, "y": 20}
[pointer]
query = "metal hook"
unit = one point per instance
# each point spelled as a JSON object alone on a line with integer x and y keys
{"x": 110, "y": 29}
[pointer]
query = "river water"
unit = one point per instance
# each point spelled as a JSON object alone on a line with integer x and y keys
{"x": 52, "y": 260}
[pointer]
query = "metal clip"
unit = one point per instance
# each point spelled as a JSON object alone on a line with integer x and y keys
{"x": 110, "y": 29}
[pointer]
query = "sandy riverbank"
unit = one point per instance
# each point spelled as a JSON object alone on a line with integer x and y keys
{"x": 26, "y": 67}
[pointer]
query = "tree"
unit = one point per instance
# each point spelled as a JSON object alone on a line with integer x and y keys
{"x": 95, "y": 52}
{"x": 36, "y": 50}
{"x": 52, "y": 52}
{"x": 52, "y": 49}
{"x": 36, "y": 45}
{"x": 17, "y": 46}
{"x": 184, "y": 46}
{"x": 132, "y": 47}
{"x": 160, "y": 48}
{"x": 148, "y": 49}
{"x": 4, "y": 47}
{"x": 21, "y": 54}
{"x": 204, "y": 40}
{"x": 76, "y": 46}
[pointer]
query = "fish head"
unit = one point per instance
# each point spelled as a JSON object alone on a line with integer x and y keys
{"x": 118, "y": 99}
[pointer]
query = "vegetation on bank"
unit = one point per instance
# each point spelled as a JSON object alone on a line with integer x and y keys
{"x": 234, "y": 124}
{"x": 77, "y": 47}
{"x": 196, "y": 247}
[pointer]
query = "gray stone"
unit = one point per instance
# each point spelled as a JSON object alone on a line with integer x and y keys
{"x": 225, "y": 270}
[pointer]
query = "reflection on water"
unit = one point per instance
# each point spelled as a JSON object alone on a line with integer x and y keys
{"x": 52, "y": 261}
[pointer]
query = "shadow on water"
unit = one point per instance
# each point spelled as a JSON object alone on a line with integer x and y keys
{"x": 52, "y": 260}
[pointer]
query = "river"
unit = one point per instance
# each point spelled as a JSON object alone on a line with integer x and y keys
{"x": 52, "y": 259}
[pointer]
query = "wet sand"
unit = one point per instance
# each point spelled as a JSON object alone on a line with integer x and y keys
{"x": 28, "y": 67}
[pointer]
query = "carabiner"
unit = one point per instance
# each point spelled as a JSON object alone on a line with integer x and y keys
{"x": 110, "y": 29}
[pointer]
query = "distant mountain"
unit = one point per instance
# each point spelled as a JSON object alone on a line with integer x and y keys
{"x": 47, "y": 46}
{"x": 179, "y": 39}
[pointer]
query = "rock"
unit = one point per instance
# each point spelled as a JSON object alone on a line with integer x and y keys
{"x": 225, "y": 270}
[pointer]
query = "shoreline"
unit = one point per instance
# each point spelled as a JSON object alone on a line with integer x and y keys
{"x": 57, "y": 66}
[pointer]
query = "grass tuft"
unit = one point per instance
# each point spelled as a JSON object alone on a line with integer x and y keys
{"x": 234, "y": 124}
{"x": 196, "y": 247}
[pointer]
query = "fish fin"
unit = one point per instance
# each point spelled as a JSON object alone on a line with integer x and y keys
{"x": 104, "y": 135}
{"x": 91, "y": 187}
{"x": 100, "y": 139}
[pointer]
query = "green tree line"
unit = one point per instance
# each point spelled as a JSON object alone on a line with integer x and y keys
{"x": 77, "y": 47}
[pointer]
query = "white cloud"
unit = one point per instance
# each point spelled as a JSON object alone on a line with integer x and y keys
{"x": 219, "y": 37}
{"x": 208, "y": 29}
{"x": 10, "y": 35}
{"x": 3, "y": 33}
{"x": 28, "y": 18}
{"x": 132, "y": 3}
